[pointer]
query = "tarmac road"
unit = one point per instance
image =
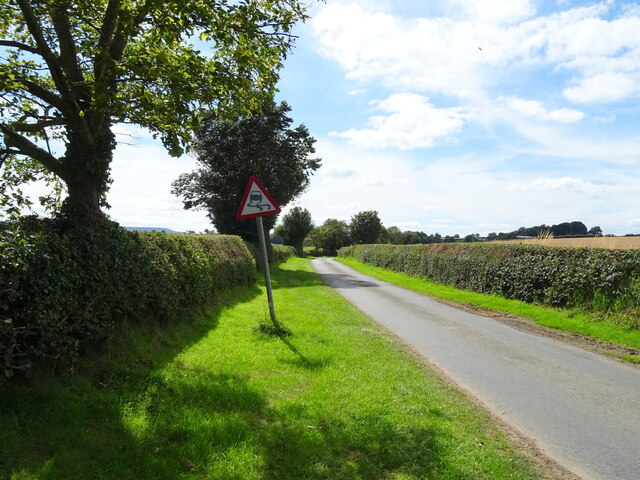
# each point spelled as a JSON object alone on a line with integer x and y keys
{"x": 580, "y": 408}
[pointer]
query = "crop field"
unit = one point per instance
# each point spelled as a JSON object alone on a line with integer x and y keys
{"x": 614, "y": 243}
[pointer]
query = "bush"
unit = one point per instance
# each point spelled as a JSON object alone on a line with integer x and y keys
{"x": 596, "y": 279}
{"x": 65, "y": 288}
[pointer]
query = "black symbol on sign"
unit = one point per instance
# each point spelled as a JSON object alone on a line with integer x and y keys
{"x": 255, "y": 201}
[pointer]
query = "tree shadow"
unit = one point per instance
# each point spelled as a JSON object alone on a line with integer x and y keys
{"x": 290, "y": 278}
{"x": 219, "y": 427}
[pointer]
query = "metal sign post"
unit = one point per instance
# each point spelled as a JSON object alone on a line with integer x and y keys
{"x": 265, "y": 267}
{"x": 257, "y": 203}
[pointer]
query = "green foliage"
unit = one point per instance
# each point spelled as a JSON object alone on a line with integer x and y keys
{"x": 70, "y": 70}
{"x": 276, "y": 253}
{"x": 63, "y": 289}
{"x": 296, "y": 225}
{"x": 230, "y": 151}
{"x": 598, "y": 279}
{"x": 330, "y": 236}
{"x": 365, "y": 227}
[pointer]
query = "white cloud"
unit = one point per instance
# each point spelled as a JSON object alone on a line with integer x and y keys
{"x": 412, "y": 122}
{"x": 464, "y": 55}
{"x": 494, "y": 11}
{"x": 603, "y": 88}
{"x": 599, "y": 120}
{"x": 424, "y": 54}
{"x": 551, "y": 184}
{"x": 535, "y": 109}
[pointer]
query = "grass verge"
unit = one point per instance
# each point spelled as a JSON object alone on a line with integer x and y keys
{"x": 219, "y": 398}
{"x": 566, "y": 320}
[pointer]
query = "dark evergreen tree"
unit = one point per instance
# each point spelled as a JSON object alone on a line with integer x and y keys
{"x": 230, "y": 151}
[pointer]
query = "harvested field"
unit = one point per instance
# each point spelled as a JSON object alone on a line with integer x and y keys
{"x": 620, "y": 243}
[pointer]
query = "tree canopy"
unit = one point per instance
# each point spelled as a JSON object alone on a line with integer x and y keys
{"x": 295, "y": 226}
{"x": 365, "y": 227}
{"x": 70, "y": 70}
{"x": 332, "y": 235}
{"x": 230, "y": 150}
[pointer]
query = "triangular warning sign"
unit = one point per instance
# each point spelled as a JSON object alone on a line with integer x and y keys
{"x": 256, "y": 201}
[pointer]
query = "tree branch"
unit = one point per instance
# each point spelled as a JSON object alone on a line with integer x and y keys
{"x": 20, "y": 46}
{"x": 72, "y": 109}
{"x": 12, "y": 139}
{"x": 43, "y": 94}
{"x": 38, "y": 126}
{"x": 109, "y": 25}
{"x": 68, "y": 51}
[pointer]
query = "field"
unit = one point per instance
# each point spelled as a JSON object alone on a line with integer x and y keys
{"x": 619, "y": 243}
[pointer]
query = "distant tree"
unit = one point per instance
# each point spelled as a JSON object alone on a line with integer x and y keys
{"x": 394, "y": 235}
{"x": 365, "y": 227}
{"x": 229, "y": 152}
{"x": 423, "y": 237}
{"x": 595, "y": 231}
{"x": 296, "y": 225}
{"x": 410, "y": 238}
{"x": 578, "y": 228}
{"x": 492, "y": 236}
{"x": 473, "y": 237}
{"x": 330, "y": 236}
{"x": 569, "y": 228}
{"x": 448, "y": 239}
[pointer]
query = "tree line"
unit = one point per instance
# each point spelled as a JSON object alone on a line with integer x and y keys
{"x": 297, "y": 229}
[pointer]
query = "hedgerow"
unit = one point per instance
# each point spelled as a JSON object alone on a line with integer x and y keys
{"x": 276, "y": 253}
{"x": 595, "y": 279}
{"x": 62, "y": 289}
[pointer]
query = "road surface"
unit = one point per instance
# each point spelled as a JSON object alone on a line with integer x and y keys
{"x": 581, "y": 409}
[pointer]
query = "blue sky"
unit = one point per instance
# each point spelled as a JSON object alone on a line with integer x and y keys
{"x": 455, "y": 116}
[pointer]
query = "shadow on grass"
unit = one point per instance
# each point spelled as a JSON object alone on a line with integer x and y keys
{"x": 283, "y": 277}
{"x": 71, "y": 426}
{"x": 215, "y": 426}
{"x": 301, "y": 360}
{"x": 286, "y": 278}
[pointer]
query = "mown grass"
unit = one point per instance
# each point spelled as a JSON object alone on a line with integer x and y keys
{"x": 566, "y": 320}
{"x": 217, "y": 399}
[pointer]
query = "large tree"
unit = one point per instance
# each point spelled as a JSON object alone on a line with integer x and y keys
{"x": 296, "y": 225}
{"x": 365, "y": 227}
{"x": 332, "y": 235}
{"x": 69, "y": 70}
{"x": 230, "y": 151}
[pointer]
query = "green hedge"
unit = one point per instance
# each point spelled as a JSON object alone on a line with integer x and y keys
{"x": 596, "y": 279}
{"x": 276, "y": 253}
{"x": 62, "y": 289}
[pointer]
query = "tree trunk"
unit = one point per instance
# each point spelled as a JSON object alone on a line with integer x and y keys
{"x": 83, "y": 202}
{"x": 86, "y": 173}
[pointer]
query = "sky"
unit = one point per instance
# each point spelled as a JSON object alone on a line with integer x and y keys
{"x": 456, "y": 116}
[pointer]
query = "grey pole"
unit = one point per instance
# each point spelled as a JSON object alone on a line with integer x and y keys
{"x": 267, "y": 276}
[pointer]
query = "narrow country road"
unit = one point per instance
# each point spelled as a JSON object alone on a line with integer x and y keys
{"x": 581, "y": 409}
